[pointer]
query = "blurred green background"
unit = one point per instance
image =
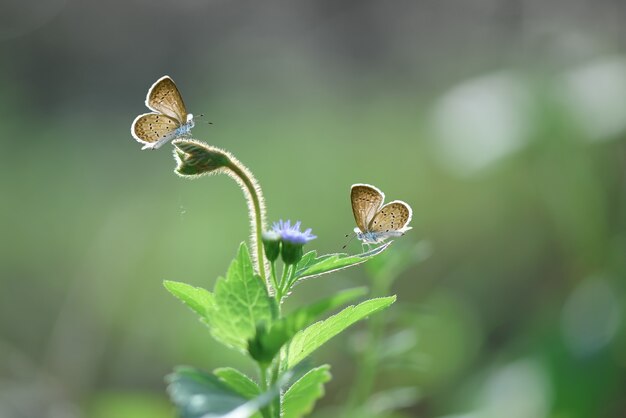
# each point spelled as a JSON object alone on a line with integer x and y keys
{"x": 503, "y": 124}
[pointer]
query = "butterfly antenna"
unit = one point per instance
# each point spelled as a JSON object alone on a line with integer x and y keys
{"x": 348, "y": 242}
{"x": 200, "y": 116}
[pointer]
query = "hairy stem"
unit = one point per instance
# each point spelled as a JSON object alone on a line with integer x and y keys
{"x": 195, "y": 158}
{"x": 256, "y": 211}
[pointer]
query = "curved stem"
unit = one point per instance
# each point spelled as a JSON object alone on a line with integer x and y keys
{"x": 256, "y": 214}
{"x": 195, "y": 158}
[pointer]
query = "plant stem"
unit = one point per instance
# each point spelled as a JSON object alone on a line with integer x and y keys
{"x": 254, "y": 191}
{"x": 276, "y": 404}
{"x": 274, "y": 409}
{"x": 275, "y": 285}
{"x": 292, "y": 275}
{"x": 289, "y": 272}
{"x": 257, "y": 215}
{"x": 283, "y": 279}
{"x": 265, "y": 411}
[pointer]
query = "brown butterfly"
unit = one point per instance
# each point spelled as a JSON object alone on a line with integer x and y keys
{"x": 168, "y": 120}
{"x": 376, "y": 222}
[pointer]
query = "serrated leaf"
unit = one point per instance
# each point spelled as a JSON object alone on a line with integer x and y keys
{"x": 241, "y": 302}
{"x": 310, "y": 339}
{"x": 307, "y": 259}
{"x": 300, "y": 398}
{"x": 238, "y": 382}
{"x": 198, "y": 299}
{"x": 308, "y": 314}
{"x": 333, "y": 262}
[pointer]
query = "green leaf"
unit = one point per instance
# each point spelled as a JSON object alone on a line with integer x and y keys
{"x": 200, "y": 395}
{"x": 240, "y": 303}
{"x": 311, "y": 338}
{"x": 197, "y": 394}
{"x": 238, "y": 382}
{"x": 198, "y": 299}
{"x": 301, "y": 396}
{"x": 268, "y": 342}
{"x": 332, "y": 262}
{"x": 308, "y": 314}
{"x": 306, "y": 260}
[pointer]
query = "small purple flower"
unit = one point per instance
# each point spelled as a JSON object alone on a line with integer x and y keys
{"x": 292, "y": 234}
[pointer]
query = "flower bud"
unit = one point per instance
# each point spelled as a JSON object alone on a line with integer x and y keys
{"x": 195, "y": 158}
{"x": 271, "y": 245}
{"x": 291, "y": 252}
{"x": 292, "y": 240}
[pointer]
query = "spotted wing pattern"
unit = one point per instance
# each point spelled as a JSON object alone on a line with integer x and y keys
{"x": 164, "y": 97}
{"x": 366, "y": 200}
{"x": 393, "y": 217}
{"x": 151, "y": 128}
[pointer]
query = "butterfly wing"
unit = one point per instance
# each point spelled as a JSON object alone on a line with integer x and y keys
{"x": 164, "y": 97}
{"x": 154, "y": 129}
{"x": 366, "y": 200}
{"x": 392, "y": 219}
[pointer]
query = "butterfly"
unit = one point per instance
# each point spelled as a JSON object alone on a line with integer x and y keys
{"x": 169, "y": 119}
{"x": 376, "y": 222}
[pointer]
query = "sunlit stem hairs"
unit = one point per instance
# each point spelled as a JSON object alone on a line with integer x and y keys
{"x": 195, "y": 159}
